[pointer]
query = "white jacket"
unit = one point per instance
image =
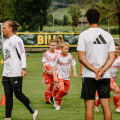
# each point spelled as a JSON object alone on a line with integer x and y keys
{"x": 14, "y": 56}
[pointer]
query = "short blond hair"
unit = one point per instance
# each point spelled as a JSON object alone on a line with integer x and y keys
{"x": 64, "y": 44}
{"x": 52, "y": 40}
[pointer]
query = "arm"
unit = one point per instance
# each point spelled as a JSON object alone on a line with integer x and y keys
{"x": 108, "y": 63}
{"x": 81, "y": 58}
{"x": 43, "y": 63}
{"x": 81, "y": 68}
{"x": 55, "y": 77}
{"x": 21, "y": 52}
{"x": 74, "y": 71}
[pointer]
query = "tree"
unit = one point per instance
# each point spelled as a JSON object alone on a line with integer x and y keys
{"x": 74, "y": 10}
{"x": 110, "y": 9}
{"x": 75, "y": 13}
{"x": 31, "y": 14}
{"x": 75, "y": 20}
{"x": 6, "y": 7}
{"x": 65, "y": 20}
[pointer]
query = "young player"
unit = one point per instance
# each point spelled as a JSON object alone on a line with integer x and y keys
{"x": 14, "y": 69}
{"x": 96, "y": 52}
{"x": 58, "y": 43}
{"x": 58, "y": 50}
{"x": 113, "y": 74}
{"x": 64, "y": 62}
{"x": 49, "y": 57}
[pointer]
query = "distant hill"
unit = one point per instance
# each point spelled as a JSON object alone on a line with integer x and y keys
{"x": 61, "y": 3}
{"x": 60, "y": 12}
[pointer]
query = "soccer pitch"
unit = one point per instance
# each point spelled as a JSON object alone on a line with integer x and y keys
{"x": 72, "y": 107}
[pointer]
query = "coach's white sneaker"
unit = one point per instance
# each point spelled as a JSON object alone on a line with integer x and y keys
{"x": 35, "y": 115}
{"x": 57, "y": 107}
{"x": 117, "y": 110}
{"x": 96, "y": 109}
{"x": 55, "y": 102}
{"x": 7, "y": 118}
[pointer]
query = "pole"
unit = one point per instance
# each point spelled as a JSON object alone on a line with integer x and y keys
{"x": 76, "y": 7}
{"x": 82, "y": 22}
{"x": 1, "y": 38}
{"x": 108, "y": 26}
{"x": 53, "y": 23}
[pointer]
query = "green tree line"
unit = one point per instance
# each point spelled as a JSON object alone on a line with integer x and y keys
{"x": 32, "y": 15}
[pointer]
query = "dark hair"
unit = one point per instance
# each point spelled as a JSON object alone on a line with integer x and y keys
{"x": 59, "y": 39}
{"x": 13, "y": 24}
{"x": 93, "y": 16}
{"x": 117, "y": 44}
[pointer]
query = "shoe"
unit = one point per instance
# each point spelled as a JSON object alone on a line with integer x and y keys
{"x": 117, "y": 110}
{"x": 96, "y": 109}
{"x": 51, "y": 99}
{"x": 35, "y": 115}
{"x": 48, "y": 103}
{"x": 55, "y": 102}
{"x": 57, "y": 107}
{"x": 7, "y": 118}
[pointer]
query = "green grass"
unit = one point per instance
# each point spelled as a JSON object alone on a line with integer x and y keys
{"x": 76, "y": 29}
{"x": 72, "y": 107}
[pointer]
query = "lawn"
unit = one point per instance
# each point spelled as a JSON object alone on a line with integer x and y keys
{"x": 72, "y": 107}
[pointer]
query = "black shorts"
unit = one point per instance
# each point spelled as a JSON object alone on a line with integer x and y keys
{"x": 90, "y": 85}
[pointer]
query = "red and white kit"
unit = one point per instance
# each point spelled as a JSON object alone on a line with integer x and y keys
{"x": 64, "y": 64}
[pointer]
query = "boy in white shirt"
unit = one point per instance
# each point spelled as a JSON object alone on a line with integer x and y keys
{"x": 64, "y": 62}
{"x": 58, "y": 50}
{"x": 113, "y": 86}
{"x": 49, "y": 57}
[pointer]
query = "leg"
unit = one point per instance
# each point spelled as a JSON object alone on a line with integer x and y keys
{"x": 106, "y": 108}
{"x": 51, "y": 88}
{"x": 17, "y": 88}
{"x": 67, "y": 86}
{"x": 60, "y": 92}
{"x": 88, "y": 94}
{"x": 55, "y": 91}
{"x": 116, "y": 97}
{"x": 9, "y": 96}
{"x": 47, "y": 87}
{"x": 115, "y": 88}
{"x": 104, "y": 95}
{"x": 47, "y": 90}
{"x": 89, "y": 105}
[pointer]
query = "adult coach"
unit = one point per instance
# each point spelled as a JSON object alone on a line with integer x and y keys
{"x": 96, "y": 52}
{"x": 14, "y": 69}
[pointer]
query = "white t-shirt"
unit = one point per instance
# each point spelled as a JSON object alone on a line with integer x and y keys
{"x": 96, "y": 43}
{"x": 58, "y": 51}
{"x": 14, "y": 56}
{"x": 49, "y": 57}
{"x": 114, "y": 68}
{"x": 64, "y": 64}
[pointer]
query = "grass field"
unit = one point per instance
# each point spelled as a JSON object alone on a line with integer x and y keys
{"x": 72, "y": 107}
{"x": 76, "y": 29}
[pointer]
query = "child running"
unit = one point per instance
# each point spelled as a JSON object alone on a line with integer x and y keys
{"x": 49, "y": 57}
{"x": 64, "y": 62}
{"x": 113, "y": 86}
{"x": 58, "y": 50}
